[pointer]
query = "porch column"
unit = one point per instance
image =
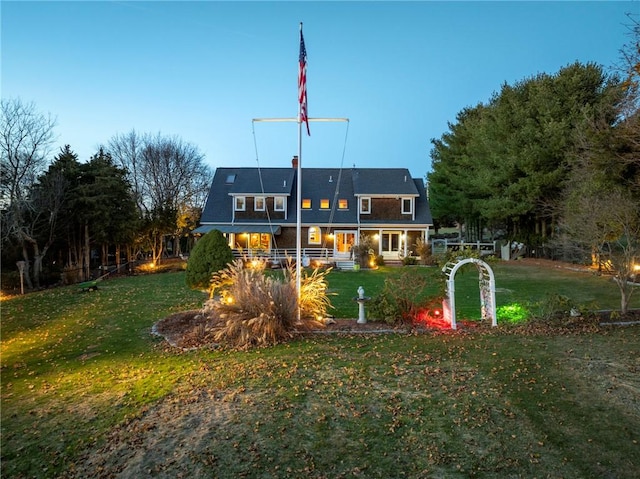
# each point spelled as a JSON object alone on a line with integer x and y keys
{"x": 406, "y": 240}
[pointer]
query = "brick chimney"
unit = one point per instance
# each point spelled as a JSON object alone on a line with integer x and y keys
{"x": 294, "y": 162}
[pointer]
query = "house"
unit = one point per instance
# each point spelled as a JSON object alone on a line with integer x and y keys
{"x": 255, "y": 208}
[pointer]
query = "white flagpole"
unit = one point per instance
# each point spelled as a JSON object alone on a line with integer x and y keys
{"x": 298, "y": 217}
{"x": 299, "y": 168}
{"x": 299, "y": 205}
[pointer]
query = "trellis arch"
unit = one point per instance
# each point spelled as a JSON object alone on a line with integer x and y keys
{"x": 487, "y": 290}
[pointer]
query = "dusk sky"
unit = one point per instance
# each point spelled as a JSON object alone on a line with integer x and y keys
{"x": 399, "y": 71}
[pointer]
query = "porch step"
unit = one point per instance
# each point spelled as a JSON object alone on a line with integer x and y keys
{"x": 345, "y": 264}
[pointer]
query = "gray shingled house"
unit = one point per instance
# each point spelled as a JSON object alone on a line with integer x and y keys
{"x": 255, "y": 208}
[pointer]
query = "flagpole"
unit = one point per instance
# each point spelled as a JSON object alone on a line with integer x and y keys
{"x": 299, "y": 183}
{"x": 299, "y": 207}
{"x": 298, "y": 217}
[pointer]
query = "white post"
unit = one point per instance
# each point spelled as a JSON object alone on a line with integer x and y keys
{"x": 451, "y": 296}
{"x": 21, "y": 265}
{"x": 361, "y": 299}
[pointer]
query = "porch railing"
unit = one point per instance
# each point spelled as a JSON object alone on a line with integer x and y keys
{"x": 282, "y": 254}
{"x": 444, "y": 245}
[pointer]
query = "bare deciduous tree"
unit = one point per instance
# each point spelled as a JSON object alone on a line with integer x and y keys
{"x": 170, "y": 180}
{"x": 606, "y": 222}
{"x": 25, "y": 139}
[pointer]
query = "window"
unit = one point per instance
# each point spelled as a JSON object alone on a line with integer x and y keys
{"x": 314, "y": 235}
{"x": 278, "y": 203}
{"x": 407, "y": 206}
{"x": 258, "y": 203}
{"x": 240, "y": 203}
{"x": 230, "y": 179}
{"x": 306, "y": 203}
{"x": 324, "y": 204}
{"x": 365, "y": 205}
{"x": 343, "y": 204}
{"x": 259, "y": 241}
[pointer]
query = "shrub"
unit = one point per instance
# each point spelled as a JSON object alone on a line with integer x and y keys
{"x": 555, "y": 306}
{"x": 363, "y": 251}
{"x": 423, "y": 249}
{"x": 398, "y": 300}
{"x": 453, "y": 256}
{"x": 409, "y": 261}
{"x": 210, "y": 254}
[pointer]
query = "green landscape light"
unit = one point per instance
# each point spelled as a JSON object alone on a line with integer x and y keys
{"x": 512, "y": 313}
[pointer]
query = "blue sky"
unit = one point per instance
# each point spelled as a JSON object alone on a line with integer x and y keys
{"x": 203, "y": 70}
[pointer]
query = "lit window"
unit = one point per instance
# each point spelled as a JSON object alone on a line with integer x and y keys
{"x": 314, "y": 235}
{"x": 324, "y": 204}
{"x": 240, "y": 203}
{"x": 306, "y": 203}
{"x": 260, "y": 241}
{"x": 407, "y": 206}
{"x": 343, "y": 204}
{"x": 278, "y": 203}
{"x": 258, "y": 204}
{"x": 365, "y": 205}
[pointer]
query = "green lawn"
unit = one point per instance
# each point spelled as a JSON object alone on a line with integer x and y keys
{"x": 87, "y": 391}
{"x": 528, "y": 285}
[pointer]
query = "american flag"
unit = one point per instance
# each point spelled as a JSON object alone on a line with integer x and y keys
{"x": 302, "y": 83}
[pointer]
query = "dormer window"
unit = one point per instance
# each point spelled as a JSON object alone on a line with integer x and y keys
{"x": 365, "y": 205}
{"x": 306, "y": 204}
{"x": 407, "y": 206}
{"x": 259, "y": 203}
{"x": 240, "y": 203}
{"x": 278, "y": 203}
{"x": 324, "y": 204}
{"x": 343, "y": 204}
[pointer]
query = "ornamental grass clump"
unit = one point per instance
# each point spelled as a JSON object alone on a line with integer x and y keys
{"x": 252, "y": 309}
{"x": 314, "y": 299}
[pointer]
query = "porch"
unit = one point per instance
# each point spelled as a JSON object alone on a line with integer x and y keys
{"x": 279, "y": 257}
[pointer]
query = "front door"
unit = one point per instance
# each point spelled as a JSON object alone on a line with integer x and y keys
{"x": 391, "y": 244}
{"x": 344, "y": 241}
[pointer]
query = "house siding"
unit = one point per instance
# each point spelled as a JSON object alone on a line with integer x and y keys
{"x": 386, "y": 187}
{"x": 383, "y": 209}
{"x": 250, "y": 214}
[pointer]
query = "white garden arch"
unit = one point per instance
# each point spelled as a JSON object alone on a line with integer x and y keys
{"x": 487, "y": 290}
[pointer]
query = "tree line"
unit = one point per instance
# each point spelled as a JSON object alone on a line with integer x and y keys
{"x": 140, "y": 195}
{"x": 552, "y": 161}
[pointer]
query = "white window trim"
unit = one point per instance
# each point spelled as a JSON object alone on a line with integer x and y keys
{"x": 284, "y": 203}
{"x": 255, "y": 203}
{"x": 235, "y": 203}
{"x": 410, "y": 211}
{"x": 362, "y": 210}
